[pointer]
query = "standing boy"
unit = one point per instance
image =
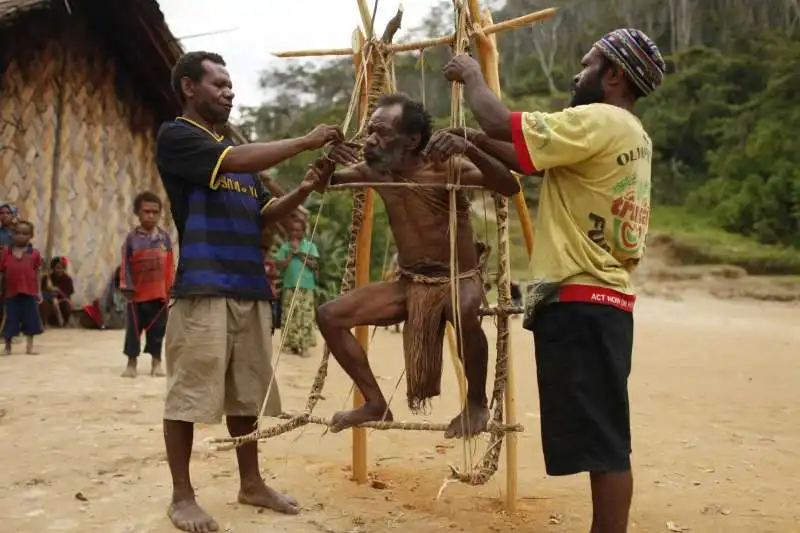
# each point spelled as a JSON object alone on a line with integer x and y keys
{"x": 20, "y": 264}
{"x": 145, "y": 280}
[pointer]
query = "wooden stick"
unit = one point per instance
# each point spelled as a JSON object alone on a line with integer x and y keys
{"x": 363, "y": 251}
{"x": 458, "y": 366}
{"x": 428, "y": 43}
{"x": 488, "y": 58}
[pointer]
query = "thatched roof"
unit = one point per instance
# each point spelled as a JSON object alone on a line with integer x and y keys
{"x": 11, "y": 8}
{"x": 139, "y": 35}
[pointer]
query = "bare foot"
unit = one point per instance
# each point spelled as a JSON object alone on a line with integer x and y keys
{"x": 366, "y": 413}
{"x": 260, "y": 495}
{"x": 155, "y": 369}
{"x": 130, "y": 370}
{"x": 7, "y": 351}
{"x": 470, "y": 422}
{"x": 186, "y": 515}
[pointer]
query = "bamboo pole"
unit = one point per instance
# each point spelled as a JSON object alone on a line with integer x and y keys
{"x": 489, "y": 60}
{"x": 366, "y": 18}
{"x": 428, "y": 43}
{"x": 363, "y": 252}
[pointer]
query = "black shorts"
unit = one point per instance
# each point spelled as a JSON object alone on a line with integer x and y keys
{"x": 583, "y": 360}
{"x": 149, "y": 318}
{"x": 21, "y": 316}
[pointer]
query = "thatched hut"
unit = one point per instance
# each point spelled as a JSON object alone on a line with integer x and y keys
{"x": 84, "y": 85}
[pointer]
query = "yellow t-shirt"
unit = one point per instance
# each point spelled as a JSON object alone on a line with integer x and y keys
{"x": 594, "y": 205}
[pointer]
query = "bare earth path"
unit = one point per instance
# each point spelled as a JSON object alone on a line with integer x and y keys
{"x": 715, "y": 392}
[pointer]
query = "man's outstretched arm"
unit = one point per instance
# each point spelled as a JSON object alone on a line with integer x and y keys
{"x": 490, "y": 112}
{"x": 504, "y": 151}
{"x": 487, "y": 170}
{"x": 275, "y": 209}
{"x": 255, "y": 157}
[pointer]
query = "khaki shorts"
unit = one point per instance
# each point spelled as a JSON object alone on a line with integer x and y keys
{"x": 218, "y": 354}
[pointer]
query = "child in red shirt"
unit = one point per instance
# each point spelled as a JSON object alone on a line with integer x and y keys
{"x": 146, "y": 278}
{"x": 20, "y": 265}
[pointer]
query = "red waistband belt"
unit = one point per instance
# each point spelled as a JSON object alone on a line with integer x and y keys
{"x": 596, "y": 295}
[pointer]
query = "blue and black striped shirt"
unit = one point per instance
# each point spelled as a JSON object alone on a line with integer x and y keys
{"x": 218, "y": 216}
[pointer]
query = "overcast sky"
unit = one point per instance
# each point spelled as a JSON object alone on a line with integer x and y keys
{"x": 265, "y": 26}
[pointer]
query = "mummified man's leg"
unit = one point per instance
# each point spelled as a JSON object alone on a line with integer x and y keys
{"x": 379, "y": 304}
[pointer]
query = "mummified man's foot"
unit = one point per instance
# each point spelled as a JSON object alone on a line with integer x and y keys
{"x": 369, "y": 412}
{"x": 470, "y": 422}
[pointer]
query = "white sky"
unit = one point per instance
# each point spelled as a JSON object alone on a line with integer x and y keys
{"x": 265, "y": 26}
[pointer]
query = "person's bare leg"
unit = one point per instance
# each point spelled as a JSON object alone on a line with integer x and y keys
{"x": 474, "y": 417}
{"x": 184, "y": 512}
{"x": 378, "y": 304}
{"x": 611, "y": 501}
{"x": 252, "y": 489}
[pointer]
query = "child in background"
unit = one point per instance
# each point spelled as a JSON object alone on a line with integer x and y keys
{"x": 273, "y": 275}
{"x": 57, "y": 290}
{"x": 145, "y": 279}
{"x": 20, "y": 266}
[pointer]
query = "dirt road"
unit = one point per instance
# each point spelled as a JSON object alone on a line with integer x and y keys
{"x": 714, "y": 415}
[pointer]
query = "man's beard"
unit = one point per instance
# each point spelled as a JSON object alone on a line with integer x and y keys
{"x": 590, "y": 92}
{"x": 384, "y": 159}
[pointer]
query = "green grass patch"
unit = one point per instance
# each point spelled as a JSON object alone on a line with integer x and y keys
{"x": 697, "y": 241}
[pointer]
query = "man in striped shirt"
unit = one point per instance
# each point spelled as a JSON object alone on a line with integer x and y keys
{"x": 218, "y": 340}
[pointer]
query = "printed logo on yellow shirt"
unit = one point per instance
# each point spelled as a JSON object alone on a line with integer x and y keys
{"x": 630, "y": 209}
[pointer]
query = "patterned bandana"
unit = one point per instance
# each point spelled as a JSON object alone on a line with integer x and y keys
{"x": 637, "y": 55}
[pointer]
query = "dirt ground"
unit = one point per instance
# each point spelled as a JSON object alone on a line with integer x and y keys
{"x": 716, "y": 438}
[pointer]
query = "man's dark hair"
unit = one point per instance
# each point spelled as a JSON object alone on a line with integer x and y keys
{"x": 146, "y": 196}
{"x": 414, "y": 118}
{"x": 190, "y": 65}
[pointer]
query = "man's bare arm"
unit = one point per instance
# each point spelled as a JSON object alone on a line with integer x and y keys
{"x": 487, "y": 170}
{"x": 279, "y": 208}
{"x": 490, "y": 112}
{"x": 356, "y": 174}
{"x": 501, "y": 150}
{"x": 255, "y": 157}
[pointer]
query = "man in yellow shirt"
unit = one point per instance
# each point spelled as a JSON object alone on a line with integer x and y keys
{"x": 592, "y": 222}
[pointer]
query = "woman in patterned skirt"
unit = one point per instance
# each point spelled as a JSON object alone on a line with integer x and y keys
{"x": 298, "y": 259}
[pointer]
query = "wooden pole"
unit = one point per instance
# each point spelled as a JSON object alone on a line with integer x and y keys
{"x": 428, "y": 43}
{"x": 488, "y": 57}
{"x": 458, "y": 366}
{"x": 363, "y": 253}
